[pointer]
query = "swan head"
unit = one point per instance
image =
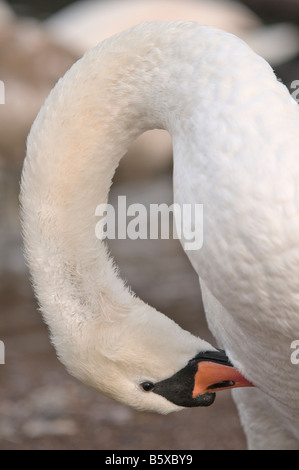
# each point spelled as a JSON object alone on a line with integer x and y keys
{"x": 148, "y": 362}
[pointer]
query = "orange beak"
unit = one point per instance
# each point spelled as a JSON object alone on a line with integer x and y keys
{"x": 213, "y": 377}
{"x": 195, "y": 384}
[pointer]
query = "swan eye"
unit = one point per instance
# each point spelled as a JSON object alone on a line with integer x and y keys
{"x": 147, "y": 386}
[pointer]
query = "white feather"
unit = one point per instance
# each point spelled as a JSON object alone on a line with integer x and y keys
{"x": 235, "y": 134}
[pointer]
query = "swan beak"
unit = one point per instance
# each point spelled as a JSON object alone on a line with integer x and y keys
{"x": 195, "y": 384}
{"x": 215, "y": 372}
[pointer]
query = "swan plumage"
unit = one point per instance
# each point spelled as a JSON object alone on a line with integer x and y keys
{"x": 235, "y": 138}
{"x": 81, "y": 25}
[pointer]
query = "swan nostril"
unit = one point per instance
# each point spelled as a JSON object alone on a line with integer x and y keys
{"x": 147, "y": 386}
{"x": 223, "y": 384}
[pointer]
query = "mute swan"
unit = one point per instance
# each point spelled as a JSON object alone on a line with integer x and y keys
{"x": 83, "y": 24}
{"x": 235, "y": 134}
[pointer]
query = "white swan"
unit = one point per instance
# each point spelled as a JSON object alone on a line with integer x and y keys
{"x": 81, "y": 25}
{"x": 235, "y": 135}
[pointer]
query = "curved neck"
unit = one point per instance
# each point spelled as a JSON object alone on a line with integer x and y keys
{"x": 129, "y": 84}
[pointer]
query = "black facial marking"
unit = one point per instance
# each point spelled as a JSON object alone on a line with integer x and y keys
{"x": 179, "y": 387}
{"x": 218, "y": 356}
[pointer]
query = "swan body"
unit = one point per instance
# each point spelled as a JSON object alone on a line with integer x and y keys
{"x": 81, "y": 25}
{"x": 235, "y": 140}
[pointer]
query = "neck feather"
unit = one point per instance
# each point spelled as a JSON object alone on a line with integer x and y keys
{"x": 139, "y": 80}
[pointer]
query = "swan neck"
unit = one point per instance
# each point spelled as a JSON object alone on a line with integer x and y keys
{"x": 86, "y": 125}
{"x": 139, "y": 80}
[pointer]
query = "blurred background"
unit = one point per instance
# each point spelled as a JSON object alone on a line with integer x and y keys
{"x": 41, "y": 406}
